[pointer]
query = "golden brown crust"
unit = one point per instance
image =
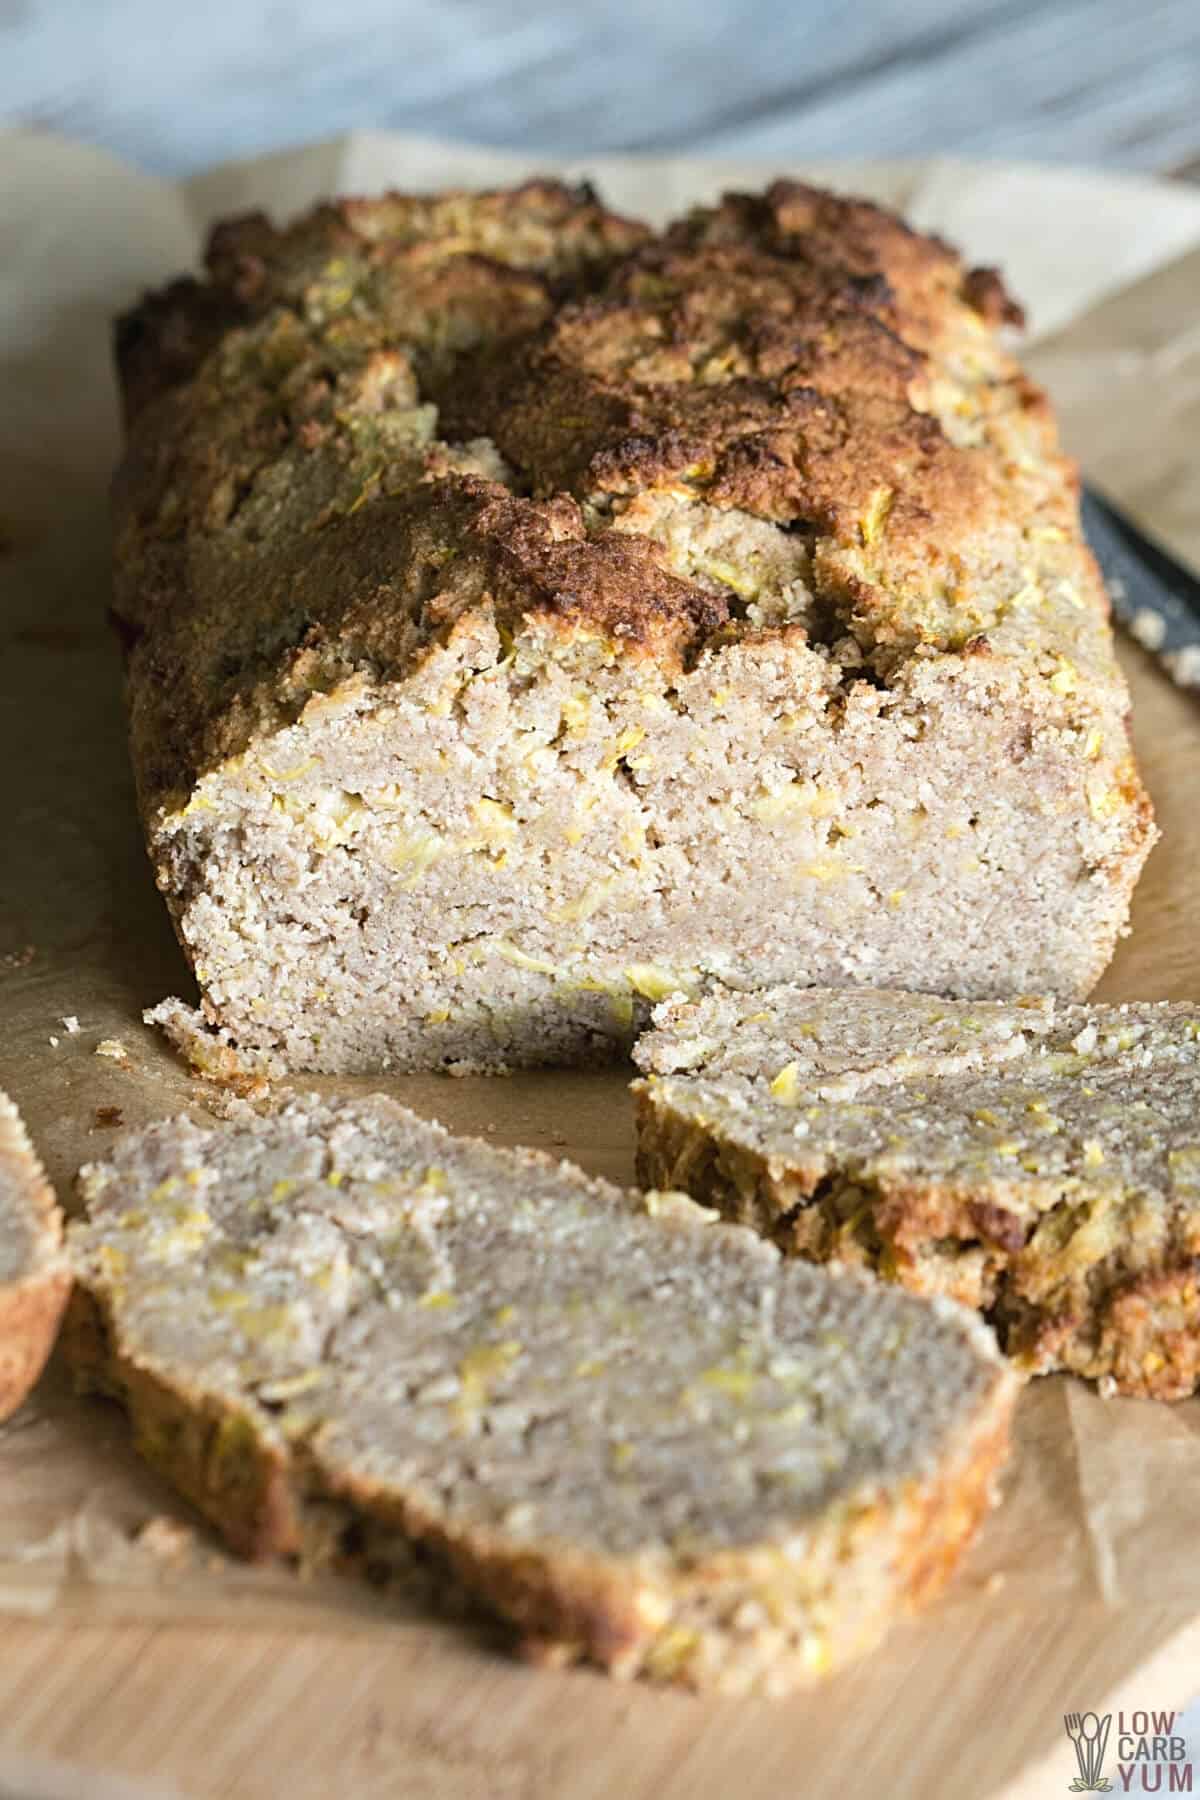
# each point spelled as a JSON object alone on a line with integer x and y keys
{"x": 944, "y": 1519}
{"x": 490, "y": 260}
{"x": 562, "y": 1606}
{"x": 1150, "y": 1333}
{"x": 856, "y": 236}
{"x": 293, "y": 508}
{"x": 984, "y": 289}
{"x": 30, "y": 1311}
{"x": 212, "y": 1454}
{"x": 162, "y": 341}
{"x": 33, "y": 1297}
{"x": 740, "y": 372}
{"x": 366, "y": 594}
{"x": 1141, "y": 1338}
{"x": 785, "y": 355}
{"x": 580, "y": 1610}
{"x": 1136, "y": 1333}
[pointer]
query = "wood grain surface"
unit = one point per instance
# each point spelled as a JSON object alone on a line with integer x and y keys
{"x": 1084, "y": 81}
{"x": 414, "y": 1720}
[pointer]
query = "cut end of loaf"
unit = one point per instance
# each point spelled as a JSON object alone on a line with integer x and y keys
{"x": 509, "y": 857}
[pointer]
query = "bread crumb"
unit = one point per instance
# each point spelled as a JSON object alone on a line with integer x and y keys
{"x": 72, "y": 1024}
{"x": 255, "y": 1089}
{"x": 165, "y": 1538}
{"x": 113, "y": 1049}
{"x": 241, "y": 1098}
{"x": 209, "y": 1050}
{"x": 1107, "y": 1387}
{"x": 1184, "y": 665}
{"x": 54, "y": 1043}
{"x": 546, "y": 1653}
{"x": 1149, "y": 628}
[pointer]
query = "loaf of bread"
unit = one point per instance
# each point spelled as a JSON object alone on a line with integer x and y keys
{"x": 34, "y": 1278}
{"x": 640, "y": 1437}
{"x": 1038, "y": 1161}
{"x": 529, "y": 616}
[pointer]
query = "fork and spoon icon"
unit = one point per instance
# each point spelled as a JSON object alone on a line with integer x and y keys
{"x": 1089, "y": 1734}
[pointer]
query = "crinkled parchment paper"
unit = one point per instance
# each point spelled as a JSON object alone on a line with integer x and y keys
{"x": 1103, "y": 1498}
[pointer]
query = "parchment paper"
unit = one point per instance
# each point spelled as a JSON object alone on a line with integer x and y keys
{"x": 1102, "y": 1498}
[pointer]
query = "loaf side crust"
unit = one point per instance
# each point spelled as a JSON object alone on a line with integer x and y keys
{"x": 34, "y": 1280}
{"x": 560, "y": 1608}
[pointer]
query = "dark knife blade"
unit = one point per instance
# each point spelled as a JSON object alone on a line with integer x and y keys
{"x": 1153, "y": 595}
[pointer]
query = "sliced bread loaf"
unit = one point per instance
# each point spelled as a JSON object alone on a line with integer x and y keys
{"x": 500, "y": 581}
{"x": 1040, "y": 1162}
{"x": 33, "y": 1269}
{"x": 642, "y": 1438}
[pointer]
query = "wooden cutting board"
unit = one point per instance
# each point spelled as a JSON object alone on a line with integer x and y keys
{"x": 967, "y": 1701}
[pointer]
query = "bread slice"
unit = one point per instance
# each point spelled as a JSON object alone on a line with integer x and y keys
{"x": 501, "y": 582}
{"x": 34, "y": 1276}
{"x": 1037, "y": 1161}
{"x": 642, "y": 1438}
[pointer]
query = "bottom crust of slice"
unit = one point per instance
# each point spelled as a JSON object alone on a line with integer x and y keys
{"x": 753, "y": 1620}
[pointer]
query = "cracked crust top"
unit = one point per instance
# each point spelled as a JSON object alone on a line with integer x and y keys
{"x": 396, "y": 410}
